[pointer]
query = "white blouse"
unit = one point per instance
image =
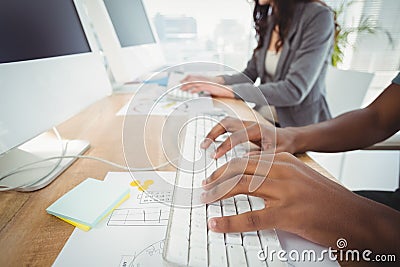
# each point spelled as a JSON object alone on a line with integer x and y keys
{"x": 271, "y": 62}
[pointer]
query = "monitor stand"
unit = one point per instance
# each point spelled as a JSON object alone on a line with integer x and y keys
{"x": 42, "y": 147}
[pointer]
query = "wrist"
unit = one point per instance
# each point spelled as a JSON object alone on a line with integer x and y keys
{"x": 219, "y": 80}
{"x": 230, "y": 93}
{"x": 299, "y": 139}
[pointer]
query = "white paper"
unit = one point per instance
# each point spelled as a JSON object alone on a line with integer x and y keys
{"x": 125, "y": 240}
{"x": 152, "y": 99}
{"x": 166, "y": 107}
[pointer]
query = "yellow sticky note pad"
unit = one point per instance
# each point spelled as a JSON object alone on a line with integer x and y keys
{"x": 89, "y": 202}
{"x": 76, "y": 224}
{"x": 87, "y": 227}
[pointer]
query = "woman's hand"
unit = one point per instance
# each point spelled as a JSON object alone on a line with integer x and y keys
{"x": 268, "y": 138}
{"x": 301, "y": 201}
{"x": 212, "y": 85}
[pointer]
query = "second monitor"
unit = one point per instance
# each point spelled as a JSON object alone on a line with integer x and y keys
{"x": 126, "y": 36}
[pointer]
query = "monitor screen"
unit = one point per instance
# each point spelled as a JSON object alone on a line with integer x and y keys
{"x": 130, "y": 22}
{"x": 37, "y": 94}
{"x": 29, "y": 31}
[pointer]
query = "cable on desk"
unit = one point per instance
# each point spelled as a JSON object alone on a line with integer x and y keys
{"x": 23, "y": 167}
{"x": 60, "y": 158}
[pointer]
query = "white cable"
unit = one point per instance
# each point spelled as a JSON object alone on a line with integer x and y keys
{"x": 60, "y": 158}
{"x": 19, "y": 169}
{"x": 85, "y": 157}
{"x": 22, "y": 168}
{"x": 92, "y": 158}
{"x": 52, "y": 170}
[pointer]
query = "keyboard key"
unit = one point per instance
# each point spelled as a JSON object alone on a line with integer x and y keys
{"x": 255, "y": 233}
{"x": 198, "y": 239}
{"x": 228, "y": 201}
{"x": 217, "y": 255}
{"x": 216, "y": 238}
{"x": 198, "y": 256}
{"x": 199, "y": 212}
{"x": 198, "y": 179}
{"x": 269, "y": 239}
{"x": 183, "y": 197}
{"x": 228, "y": 210}
{"x": 242, "y": 206}
{"x": 236, "y": 255}
{"x": 181, "y": 216}
{"x": 251, "y": 242}
{"x": 213, "y": 211}
{"x": 241, "y": 197}
{"x": 233, "y": 238}
{"x": 172, "y": 253}
{"x": 185, "y": 180}
{"x": 252, "y": 259}
{"x": 257, "y": 203}
{"x": 216, "y": 203}
{"x": 179, "y": 95}
{"x": 198, "y": 216}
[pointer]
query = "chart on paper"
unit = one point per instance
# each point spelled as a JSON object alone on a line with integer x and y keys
{"x": 155, "y": 197}
{"x": 149, "y": 256}
{"x": 132, "y": 235}
{"x": 137, "y": 217}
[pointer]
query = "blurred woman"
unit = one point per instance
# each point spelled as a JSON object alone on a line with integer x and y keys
{"x": 295, "y": 40}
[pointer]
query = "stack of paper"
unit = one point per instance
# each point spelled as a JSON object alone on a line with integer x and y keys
{"x": 89, "y": 202}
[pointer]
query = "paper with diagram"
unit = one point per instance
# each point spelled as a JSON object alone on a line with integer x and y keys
{"x": 153, "y": 99}
{"x": 133, "y": 235}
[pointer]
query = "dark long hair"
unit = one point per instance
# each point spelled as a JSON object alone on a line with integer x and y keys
{"x": 282, "y": 17}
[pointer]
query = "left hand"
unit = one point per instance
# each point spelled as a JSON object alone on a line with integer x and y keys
{"x": 269, "y": 138}
{"x": 211, "y": 85}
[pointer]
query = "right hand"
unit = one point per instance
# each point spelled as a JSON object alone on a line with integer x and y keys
{"x": 212, "y": 85}
{"x": 302, "y": 201}
{"x": 190, "y": 79}
{"x": 268, "y": 138}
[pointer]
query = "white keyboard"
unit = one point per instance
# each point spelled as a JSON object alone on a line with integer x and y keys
{"x": 174, "y": 89}
{"x": 188, "y": 240}
{"x": 178, "y": 95}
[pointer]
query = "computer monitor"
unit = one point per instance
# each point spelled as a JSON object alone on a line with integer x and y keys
{"x": 126, "y": 36}
{"x": 50, "y": 69}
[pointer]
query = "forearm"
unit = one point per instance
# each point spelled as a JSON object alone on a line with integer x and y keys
{"x": 352, "y": 130}
{"x": 342, "y": 214}
{"x": 220, "y": 80}
{"x": 242, "y": 77}
{"x": 378, "y": 235}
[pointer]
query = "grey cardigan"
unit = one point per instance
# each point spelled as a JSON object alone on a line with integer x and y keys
{"x": 298, "y": 89}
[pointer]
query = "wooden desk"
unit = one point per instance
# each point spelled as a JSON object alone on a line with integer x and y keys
{"x": 31, "y": 237}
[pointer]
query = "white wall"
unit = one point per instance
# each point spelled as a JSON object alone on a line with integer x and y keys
{"x": 362, "y": 169}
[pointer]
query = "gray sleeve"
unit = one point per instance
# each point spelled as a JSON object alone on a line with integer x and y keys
{"x": 396, "y": 80}
{"x": 304, "y": 69}
{"x": 247, "y": 76}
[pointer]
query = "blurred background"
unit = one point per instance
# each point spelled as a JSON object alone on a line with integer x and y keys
{"x": 369, "y": 42}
